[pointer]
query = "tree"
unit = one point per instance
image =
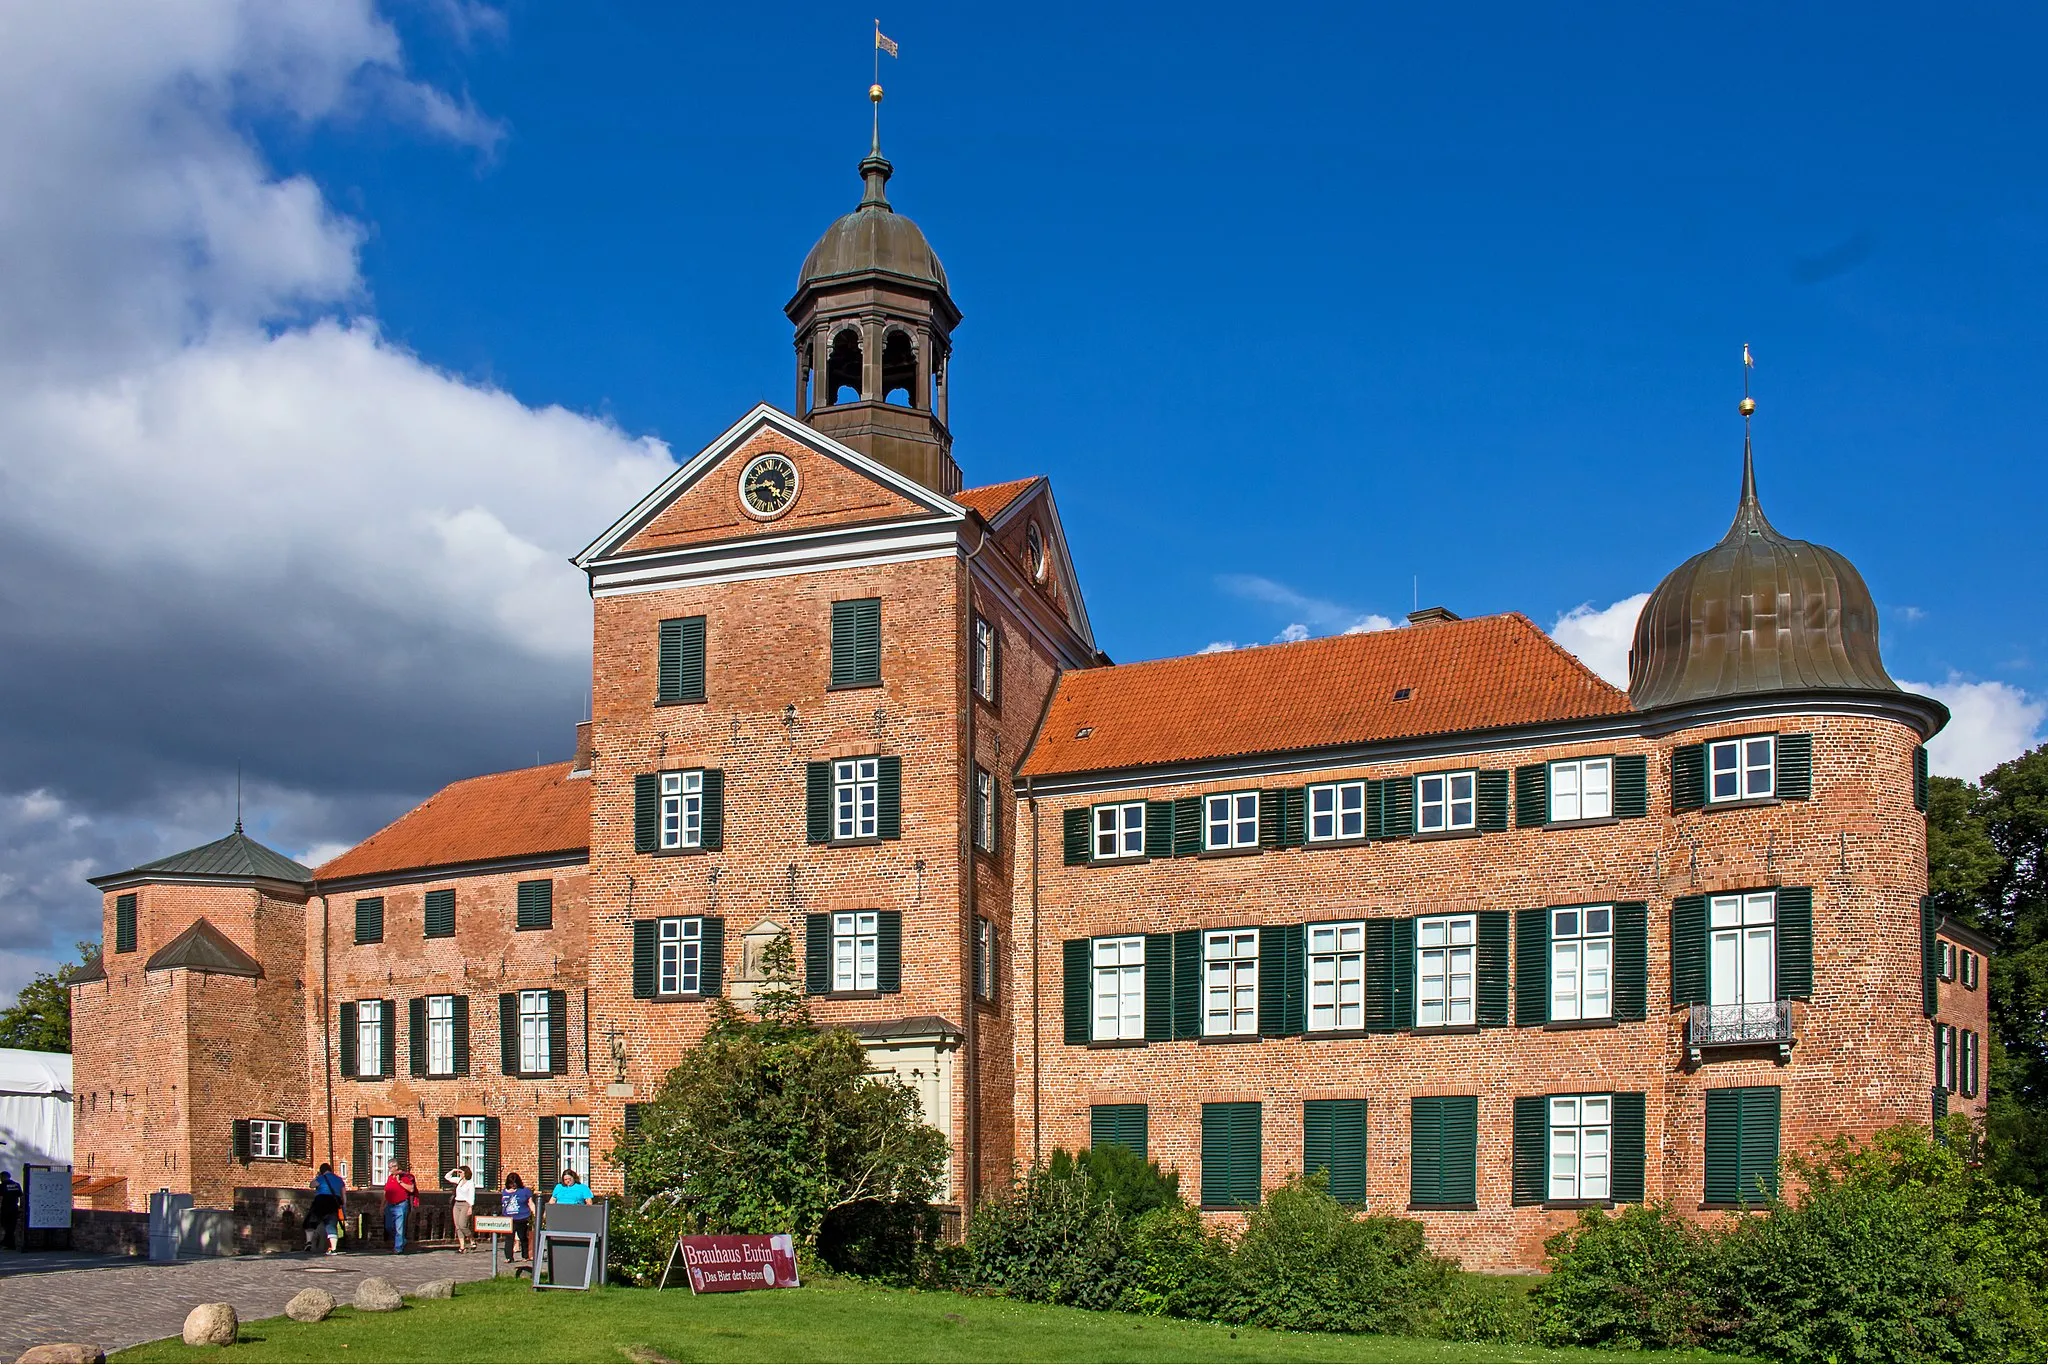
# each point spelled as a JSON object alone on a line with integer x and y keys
{"x": 40, "y": 1017}
{"x": 770, "y": 1123}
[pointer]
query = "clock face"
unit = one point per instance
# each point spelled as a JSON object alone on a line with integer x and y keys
{"x": 768, "y": 485}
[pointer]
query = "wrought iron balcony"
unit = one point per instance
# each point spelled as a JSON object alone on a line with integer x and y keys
{"x": 1765, "y": 1024}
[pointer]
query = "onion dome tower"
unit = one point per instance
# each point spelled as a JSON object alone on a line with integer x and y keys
{"x": 874, "y": 334}
{"x": 1758, "y": 613}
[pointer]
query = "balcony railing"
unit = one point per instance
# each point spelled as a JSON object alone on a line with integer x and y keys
{"x": 1765, "y": 1024}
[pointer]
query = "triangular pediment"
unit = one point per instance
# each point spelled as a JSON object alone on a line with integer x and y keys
{"x": 1024, "y": 510}
{"x": 702, "y": 504}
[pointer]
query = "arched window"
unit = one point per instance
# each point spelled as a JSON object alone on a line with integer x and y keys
{"x": 843, "y": 368}
{"x": 899, "y": 370}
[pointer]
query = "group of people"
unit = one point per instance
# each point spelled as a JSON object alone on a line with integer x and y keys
{"x": 402, "y": 1201}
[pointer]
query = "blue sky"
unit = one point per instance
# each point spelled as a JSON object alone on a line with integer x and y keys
{"x": 334, "y": 327}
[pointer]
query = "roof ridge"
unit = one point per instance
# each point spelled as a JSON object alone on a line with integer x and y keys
{"x": 1576, "y": 662}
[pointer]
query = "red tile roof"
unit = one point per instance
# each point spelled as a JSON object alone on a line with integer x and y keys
{"x": 992, "y": 499}
{"x": 520, "y": 814}
{"x": 1481, "y": 674}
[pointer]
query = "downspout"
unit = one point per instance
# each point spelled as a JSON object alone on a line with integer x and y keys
{"x": 1037, "y": 1020}
{"x": 971, "y": 1042}
{"x": 326, "y": 1039}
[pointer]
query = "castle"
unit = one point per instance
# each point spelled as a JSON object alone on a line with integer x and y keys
{"x": 1434, "y": 910}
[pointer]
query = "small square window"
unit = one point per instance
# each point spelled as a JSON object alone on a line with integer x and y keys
{"x": 1120, "y": 830}
{"x": 1336, "y": 810}
{"x": 1582, "y": 789}
{"x": 266, "y": 1139}
{"x": 1445, "y": 801}
{"x": 1233, "y": 820}
{"x": 1742, "y": 769}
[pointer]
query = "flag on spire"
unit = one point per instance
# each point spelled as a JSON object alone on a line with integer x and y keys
{"x": 1747, "y": 362}
{"x": 884, "y": 41}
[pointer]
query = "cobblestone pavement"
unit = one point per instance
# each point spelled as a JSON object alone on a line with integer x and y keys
{"x": 62, "y": 1296}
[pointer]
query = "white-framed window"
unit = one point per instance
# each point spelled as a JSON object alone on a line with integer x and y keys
{"x": 853, "y": 950}
{"x": 984, "y": 659}
{"x": 572, "y": 1144}
{"x": 1119, "y": 988}
{"x": 1742, "y": 769}
{"x": 985, "y": 958}
{"x": 1582, "y": 789}
{"x": 1743, "y": 949}
{"x": 383, "y": 1149}
{"x": 679, "y": 951}
{"x": 470, "y": 1144}
{"x": 1944, "y": 1057}
{"x": 984, "y": 810}
{"x": 1230, "y": 961}
{"x": 1582, "y": 962}
{"x": 1946, "y": 963}
{"x": 1443, "y": 970}
{"x": 1233, "y": 820}
{"x": 1969, "y": 970}
{"x": 440, "y": 1035}
{"x": 856, "y": 798}
{"x": 1444, "y": 801}
{"x": 534, "y": 1059}
{"x": 1120, "y": 830}
{"x": 266, "y": 1139}
{"x": 1336, "y": 810}
{"x": 370, "y": 1026}
{"x": 682, "y": 809}
{"x": 1336, "y": 976}
{"x": 1581, "y": 1146}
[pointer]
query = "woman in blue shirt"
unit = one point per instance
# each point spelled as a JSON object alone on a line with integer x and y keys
{"x": 329, "y": 1196}
{"x": 518, "y": 1206}
{"x": 570, "y": 1189}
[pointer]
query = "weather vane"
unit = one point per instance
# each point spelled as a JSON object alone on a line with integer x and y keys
{"x": 1748, "y": 404}
{"x": 883, "y": 43}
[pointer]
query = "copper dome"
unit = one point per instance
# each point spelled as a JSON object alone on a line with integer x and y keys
{"x": 873, "y": 237}
{"x": 1759, "y": 612}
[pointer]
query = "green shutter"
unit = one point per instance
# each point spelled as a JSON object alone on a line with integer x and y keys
{"x": 1795, "y": 768}
{"x": 558, "y": 1033}
{"x": 1121, "y": 1124}
{"x": 1490, "y": 977}
{"x": 1187, "y": 983}
{"x": 1741, "y": 1144}
{"x": 1270, "y": 824}
{"x": 1230, "y": 1154}
{"x": 1532, "y": 795}
{"x": 298, "y": 1143}
{"x": 857, "y": 643}
{"x": 818, "y": 954}
{"x": 359, "y": 1168}
{"x": 387, "y": 1034}
{"x": 1397, "y": 815}
{"x": 1532, "y": 966}
{"x": 1333, "y": 1140}
{"x": 1929, "y": 989}
{"x": 346, "y": 1049}
{"x": 1379, "y": 976}
{"x": 1375, "y": 808}
{"x": 1940, "y": 1105}
{"x": 647, "y": 812}
{"x": 1688, "y": 951}
{"x": 1631, "y": 786}
{"x": 1404, "y": 973}
{"x": 680, "y": 676}
{"x": 124, "y": 923}
{"x": 712, "y": 832}
{"x": 508, "y": 1033}
{"x": 239, "y": 1136}
{"x": 1631, "y": 960}
{"x": 536, "y": 905}
{"x": 888, "y": 951}
{"x": 1795, "y": 943}
{"x": 439, "y": 913}
{"x": 548, "y": 1159}
{"x": 1688, "y": 777}
{"x": 818, "y": 802}
{"x": 1531, "y": 1162}
{"x": 1920, "y": 777}
{"x": 889, "y": 797}
{"x": 1077, "y": 991}
{"x": 1443, "y": 1167}
{"x": 461, "y": 1032}
{"x": 644, "y": 981}
{"x": 370, "y": 919}
{"x": 416, "y": 1037}
{"x": 1077, "y": 834}
{"x": 1490, "y": 786}
{"x": 450, "y": 1144}
{"x": 1158, "y": 988}
{"x": 1625, "y": 1170}
{"x": 711, "y": 956}
{"x": 1282, "y": 981}
{"x": 494, "y": 1150}
{"x": 1294, "y": 817}
{"x": 1159, "y": 829}
{"x": 1187, "y": 826}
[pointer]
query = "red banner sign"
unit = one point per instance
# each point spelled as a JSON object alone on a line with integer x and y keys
{"x": 724, "y": 1265}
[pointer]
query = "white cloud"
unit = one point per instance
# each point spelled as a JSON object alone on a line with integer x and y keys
{"x": 1989, "y": 722}
{"x": 1601, "y": 636}
{"x": 1218, "y": 647}
{"x": 1292, "y": 634}
{"x": 1311, "y": 616}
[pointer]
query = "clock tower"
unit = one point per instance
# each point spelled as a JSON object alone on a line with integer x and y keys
{"x": 874, "y": 335}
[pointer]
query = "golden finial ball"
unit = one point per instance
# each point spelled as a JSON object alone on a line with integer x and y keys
{"x": 875, "y": 93}
{"x": 1747, "y": 406}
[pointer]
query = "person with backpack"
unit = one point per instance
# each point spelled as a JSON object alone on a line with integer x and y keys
{"x": 330, "y": 1198}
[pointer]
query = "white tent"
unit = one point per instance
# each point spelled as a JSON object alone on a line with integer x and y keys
{"x": 35, "y": 1108}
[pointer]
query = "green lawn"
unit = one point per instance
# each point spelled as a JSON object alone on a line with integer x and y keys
{"x": 824, "y": 1321}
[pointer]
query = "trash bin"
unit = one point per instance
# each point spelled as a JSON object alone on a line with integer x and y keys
{"x": 167, "y": 1216}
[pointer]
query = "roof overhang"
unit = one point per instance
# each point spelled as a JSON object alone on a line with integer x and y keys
{"x": 121, "y": 881}
{"x": 436, "y": 872}
{"x": 1967, "y": 935}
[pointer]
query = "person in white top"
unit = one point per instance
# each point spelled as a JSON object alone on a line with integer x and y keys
{"x": 464, "y": 1181}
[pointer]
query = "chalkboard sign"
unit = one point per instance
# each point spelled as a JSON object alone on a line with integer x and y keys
{"x": 49, "y": 1197}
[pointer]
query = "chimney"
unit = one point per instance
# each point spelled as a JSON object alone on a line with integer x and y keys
{"x": 1430, "y": 616}
{"x": 585, "y": 751}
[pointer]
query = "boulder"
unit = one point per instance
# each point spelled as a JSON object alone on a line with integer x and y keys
{"x": 212, "y": 1324}
{"x": 310, "y": 1305}
{"x": 378, "y": 1295}
{"x": 63, "y": 1353}
{"x": 435, "y": 1289}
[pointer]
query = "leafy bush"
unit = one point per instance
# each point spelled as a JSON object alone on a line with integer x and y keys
{"x": 1635, "y": 1280}
{"x": 1471, "y": 1307}
{"x": 1307, "y": 1263}
{"x": 888, "y": 1240}
{"x": 1175, "y": 1266}
{"x": 1116, "y": 1173}
{"x": 1049, "y": 1239}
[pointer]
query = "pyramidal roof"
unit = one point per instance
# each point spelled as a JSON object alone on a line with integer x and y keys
{"x": 203, "y": 948}
{"x": 234, "y": 858}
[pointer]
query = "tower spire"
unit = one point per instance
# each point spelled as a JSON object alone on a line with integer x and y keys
{"x": 1747, "y": 407}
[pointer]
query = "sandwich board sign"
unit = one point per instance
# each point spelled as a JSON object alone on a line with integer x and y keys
{"x": 729, "y": 1264}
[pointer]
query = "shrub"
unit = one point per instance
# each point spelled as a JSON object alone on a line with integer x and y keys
{"x": 1635, "y": 1280}
{"x": 1049, "y": 1239}
{"x": 1116, "y": 1173}
{"x": 1307, "y": 1263}
{"x": 888, "y": 1240}
{"x": 1175, "y": 1266}
{"x": 1471, "y": 1307}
